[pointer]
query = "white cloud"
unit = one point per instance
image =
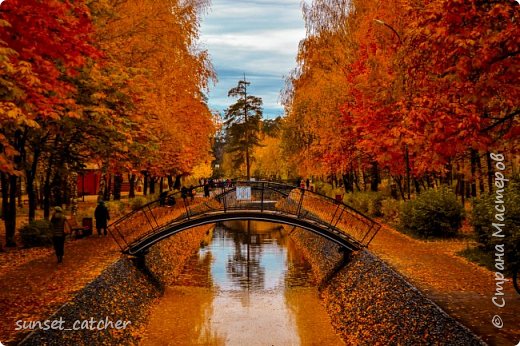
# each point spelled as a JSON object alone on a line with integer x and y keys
{"x": 259, "y": 38}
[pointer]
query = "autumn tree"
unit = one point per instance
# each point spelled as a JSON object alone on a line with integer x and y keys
{"x": 161, "y": 57}
{"x": 270, "y": 162}
{"x": 53, "y": 52}
{"x": 242, "y": 124}
{"x": 412, "y": 90}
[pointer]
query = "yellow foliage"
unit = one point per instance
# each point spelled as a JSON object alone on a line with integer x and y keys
{"x": 269, "y": 159}
{"x": 202, "y": 170}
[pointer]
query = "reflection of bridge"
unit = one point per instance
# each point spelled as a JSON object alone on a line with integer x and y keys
{"x": 246, "y": 200}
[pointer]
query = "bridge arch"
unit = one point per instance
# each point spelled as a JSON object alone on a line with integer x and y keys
{"x": 268, "y": 201}
{"x": 142, "y": 245}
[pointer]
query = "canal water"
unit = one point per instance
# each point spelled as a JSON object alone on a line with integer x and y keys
{"x": 249, "y": 286}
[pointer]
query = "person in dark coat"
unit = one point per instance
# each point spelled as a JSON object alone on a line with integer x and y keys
{"x": 58, "y": 223}
{"x": 102, "y": 216}
{"x": 184, "y": 193}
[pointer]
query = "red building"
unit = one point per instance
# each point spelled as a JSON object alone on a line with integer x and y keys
{"x": 88, "y": 180}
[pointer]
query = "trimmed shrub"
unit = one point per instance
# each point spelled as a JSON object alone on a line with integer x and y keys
{"x": 36, "y": 233}
{"x": 434, "y": 213}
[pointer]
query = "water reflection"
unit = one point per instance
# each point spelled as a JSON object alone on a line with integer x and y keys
{"x": 250, "y": 285}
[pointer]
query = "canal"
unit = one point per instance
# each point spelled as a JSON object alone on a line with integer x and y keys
{"x": 249, "y": 286}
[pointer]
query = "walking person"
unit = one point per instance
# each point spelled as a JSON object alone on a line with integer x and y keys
{"x": 184, "y": 193}
{"x": 102, "y": 216}
{"x": 58, "y": 222}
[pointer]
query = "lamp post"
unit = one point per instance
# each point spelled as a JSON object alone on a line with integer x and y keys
{"x": 406, "y": 155}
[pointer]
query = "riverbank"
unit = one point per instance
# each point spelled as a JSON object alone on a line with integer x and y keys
{"x": 369, "y": 303}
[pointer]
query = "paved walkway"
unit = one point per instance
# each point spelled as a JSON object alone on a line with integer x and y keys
{"x": 463, "y": 289}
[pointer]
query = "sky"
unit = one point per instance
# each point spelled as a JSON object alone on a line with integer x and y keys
{"x": 257, "y": 37}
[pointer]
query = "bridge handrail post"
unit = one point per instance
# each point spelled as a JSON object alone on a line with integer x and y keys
{"x": 302, "y": 191}
{"x": 262, "y": 201}
{"x": 115, "y": 239}
{"x": 339, "y": 217}
{"x": 378, "y": 228}
{"x": 151, "y": 212}
{"x": 333, "y": 215}
{"x": 148, "y": 219}
{"x": 187, "y": 209}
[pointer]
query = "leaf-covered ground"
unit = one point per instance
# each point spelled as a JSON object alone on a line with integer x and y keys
{"x": 461, "y": 288}
{"x": 33, "y": 285}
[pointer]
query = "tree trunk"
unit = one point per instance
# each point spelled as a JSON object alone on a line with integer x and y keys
{"x": 177, "y": 184}
{"x": 131, "y": 179}
{"x": 152, "y": 185}
{"x": 474, "y": 157}
{"x": 399, "y": 181}
{"x": 480, "y": 175}
{"x": 66, "y": 188}
{"x": 145, "y": 187}
{"x": 47, "y": 191}
{"x": 30, "y": 176}
{"x": 118, "y": 183}
{"x": 9, "y": 184}
{"x": 170, "y": 182}
{"x": 161, "y": 185}
{"x": 355, "y": 180}
{"x": 417, "y": 186}
{"x": 74, "y": 193}
{"x": 108, "y": 189}
{"x": 103, "y": 181}
{"x": 374, "y": 177}
{"x": 19, "y": 196}
{"x": 489, "y": 172}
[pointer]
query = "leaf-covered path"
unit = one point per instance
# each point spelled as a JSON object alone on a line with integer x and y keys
{"x": 33, "y": 285}
{"x": 463, "y": 289}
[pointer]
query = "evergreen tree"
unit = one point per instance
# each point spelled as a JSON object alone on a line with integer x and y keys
{"x": 242, "y": 124}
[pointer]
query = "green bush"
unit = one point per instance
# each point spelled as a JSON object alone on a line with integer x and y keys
{"x": 36, "y": 233}
{"x": 369, "y": 202}
{"x": 434, "y": 213}
{"x": 483, "y": 217}
{"x": 137, "y": 202}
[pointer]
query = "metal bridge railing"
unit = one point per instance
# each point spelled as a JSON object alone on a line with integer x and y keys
{"x": 262, "y": 196}
{"x": 155, "y": 215}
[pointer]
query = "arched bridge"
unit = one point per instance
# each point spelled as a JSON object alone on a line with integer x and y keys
{"x": 137, "y": 231}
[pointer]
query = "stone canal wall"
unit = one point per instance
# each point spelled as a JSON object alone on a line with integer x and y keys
{"x": 123, "y": 292}
{"x": 369, "y": 303}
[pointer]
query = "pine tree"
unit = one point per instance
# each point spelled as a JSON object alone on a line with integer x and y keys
{"x": 242, "y": 124}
